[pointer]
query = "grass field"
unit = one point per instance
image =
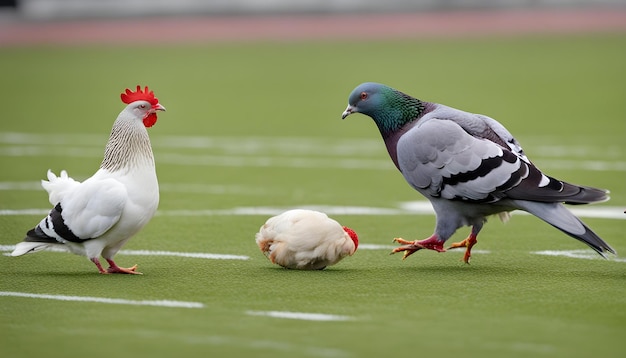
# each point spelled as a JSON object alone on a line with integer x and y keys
{"x": 254, "y": 128}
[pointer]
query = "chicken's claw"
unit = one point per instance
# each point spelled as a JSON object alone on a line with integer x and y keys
{"x": 113, "y": 268}
{"x": 129, "y": 270}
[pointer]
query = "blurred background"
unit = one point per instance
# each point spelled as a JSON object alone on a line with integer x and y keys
{"x": 55, "y": 9}
{"x": 254, "y": 91}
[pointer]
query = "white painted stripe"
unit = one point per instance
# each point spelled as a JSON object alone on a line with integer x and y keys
{"x": 203, "y": 255}
{"x": 25, "y": 212}
{"x": 25, "y": 185}
{"x": 211, "y": 189}
{"x": 300, "y": 315}
{"x": 364, "y": 147}
{"x": 163, "y": 187}
{"x": 347, "y": 153}
{"x": 363, "y": 246}
{"x": 598, "y": 211}
{"x": 266, "y": 210}
{"x": 283, "y": 160}
{"x": 116, "y": 301}
{"x": 589, "y": 165}
{"x": 408, "y": 208}
{"x": 196, "y": 255}
{"x": 579, "y": 254}
{"x": 258, "y": 160}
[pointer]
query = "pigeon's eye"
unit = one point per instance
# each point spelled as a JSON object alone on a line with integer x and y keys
{"x": 363, "y": 95}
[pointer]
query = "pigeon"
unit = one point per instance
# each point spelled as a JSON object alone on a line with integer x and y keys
{"x": 469, "y": 167}
{"x": 98, "y": 216}
{"x": 305, "y": 240}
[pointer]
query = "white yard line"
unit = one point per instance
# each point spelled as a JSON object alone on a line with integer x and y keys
{"x": 290, "y": 152}
{"x": 406, "y": 208}
{"x": 195, "y": 255}
{"x": 200, "y": 188}
{"x": 285, "y": 160}
{"x": 579, "y": 254}
{"x": 117, "y": 301}
{"x": 300, "y": 315}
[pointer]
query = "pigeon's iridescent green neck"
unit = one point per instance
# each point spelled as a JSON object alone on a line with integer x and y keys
{"x": 397, "y": 110}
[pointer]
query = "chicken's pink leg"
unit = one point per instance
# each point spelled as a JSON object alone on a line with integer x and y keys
{"x": 113, "y": 268}
{"x": 98, "y": 265}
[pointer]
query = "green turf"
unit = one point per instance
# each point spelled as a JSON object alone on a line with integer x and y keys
{"x": 275, "y": 108}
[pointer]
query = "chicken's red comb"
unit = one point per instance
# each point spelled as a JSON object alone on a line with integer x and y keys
{"x": 146, "y": 95}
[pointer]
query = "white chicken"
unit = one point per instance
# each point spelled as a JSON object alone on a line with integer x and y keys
{"x": 305, "y": 240}
{"x": 98, "y": 216}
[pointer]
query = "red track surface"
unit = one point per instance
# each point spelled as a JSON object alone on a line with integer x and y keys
{"x": 312, "y": 27}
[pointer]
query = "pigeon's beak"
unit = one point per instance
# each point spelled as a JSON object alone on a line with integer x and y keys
{"x": 348, "y": 112}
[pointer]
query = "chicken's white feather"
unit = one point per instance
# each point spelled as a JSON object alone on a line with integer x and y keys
{"x": 96, "y": 217}
{"x": 57, "y": 187}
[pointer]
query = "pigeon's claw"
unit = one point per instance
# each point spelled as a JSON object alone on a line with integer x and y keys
{"x": 468, "y": 243}
{"x": 402, "y": 241}
{"x": 410, "y": 247}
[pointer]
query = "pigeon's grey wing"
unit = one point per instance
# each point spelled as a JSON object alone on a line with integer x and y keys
{"x": 442, "y": 159}
{"x": 481, "y": 126}
{"x": 536, "y": 186}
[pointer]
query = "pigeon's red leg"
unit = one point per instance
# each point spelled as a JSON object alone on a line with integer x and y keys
{"x": 468, "y": 243}
{"x": 410, "y": 247}
{"x": 113, "y": 268}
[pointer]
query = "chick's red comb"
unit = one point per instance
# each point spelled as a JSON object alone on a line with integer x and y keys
{"x": 353, "y": 236}
{"x": 146, "y": 95}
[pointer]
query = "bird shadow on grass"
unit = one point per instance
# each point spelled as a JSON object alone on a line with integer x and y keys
{"x": 496, "y": 270}
{"x": 74, "y": 274}
{"x": 287, "y": 270}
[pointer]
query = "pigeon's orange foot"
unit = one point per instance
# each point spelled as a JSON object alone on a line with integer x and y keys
{"x": 410, "y": 247}
{"x": 468, "y": 243}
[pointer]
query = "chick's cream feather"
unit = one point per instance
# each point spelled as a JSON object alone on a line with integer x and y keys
{"x": 304, "y": 239}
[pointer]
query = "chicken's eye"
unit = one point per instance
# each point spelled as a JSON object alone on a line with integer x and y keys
{"x": 363, "y": 95}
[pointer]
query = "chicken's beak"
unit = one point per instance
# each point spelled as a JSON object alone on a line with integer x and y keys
{"x": 158, "y": 107}
{"x": 348, "y": 112}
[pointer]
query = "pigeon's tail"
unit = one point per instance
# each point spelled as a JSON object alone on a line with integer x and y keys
{"x": 561, "y": 218}
{"x": 587, "y": 195}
